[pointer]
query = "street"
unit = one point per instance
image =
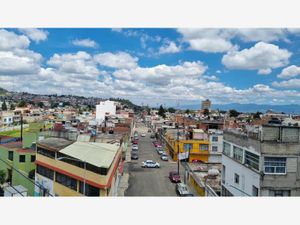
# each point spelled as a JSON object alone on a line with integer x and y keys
{"x": 150, "y": 181}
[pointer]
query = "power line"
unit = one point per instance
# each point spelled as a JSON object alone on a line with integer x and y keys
{"x": 35, "y": 184}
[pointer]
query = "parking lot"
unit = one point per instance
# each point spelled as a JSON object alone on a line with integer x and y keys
{"x": 150, "y": 181}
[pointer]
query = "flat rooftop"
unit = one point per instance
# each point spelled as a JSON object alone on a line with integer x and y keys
{"x": 54, "y": 144}
{"x": 97, "y": 154}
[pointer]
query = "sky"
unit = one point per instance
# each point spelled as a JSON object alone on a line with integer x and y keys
{"x": 155, "y": 66}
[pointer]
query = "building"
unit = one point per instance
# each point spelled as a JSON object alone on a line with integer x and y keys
{"x": 63, "y": 167}
{"x": 17, "y": 160}
{"x": 206, "y": 104}
{"x": 105, "y": 108}
{"x": 261, "y": 162}
{"x": 194, "y": 149}
{"x": 216, "y": 146}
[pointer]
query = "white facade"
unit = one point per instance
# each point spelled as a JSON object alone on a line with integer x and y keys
{"x": 104, "y": 108}
{"x": 215, "y": 147}
{"x": 43, "y": 182}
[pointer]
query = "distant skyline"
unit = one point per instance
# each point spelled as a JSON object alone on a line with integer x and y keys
{"x": 155, "y": 66}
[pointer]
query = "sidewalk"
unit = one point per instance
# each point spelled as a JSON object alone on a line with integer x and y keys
{"x": 124, "y": 179}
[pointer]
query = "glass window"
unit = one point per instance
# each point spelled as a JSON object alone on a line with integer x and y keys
{"x": 226, "y": 148}
{"x": 203, "y": 147}
{"x": 214, "y": 148}
{"x": 252, "y": 160}
{"x": 238, "y": 154}
{"x": 215, "y": 138}
{"x": 66, "y": 181}
{"x": 89, "y": 190}
{"x": 11, "y": 155}
{"x": 22, "y": 158}
{"x": 187, "y": 147}
{"x": 254, "y": 191}
{"x": 236, "y": 178}
{"x": 45, "y": 172}
{"x": 32, "y": 158}
{"x": 46, "y": 152}
{"x": 275, "y": 165}
{"x": 279, "y": 193}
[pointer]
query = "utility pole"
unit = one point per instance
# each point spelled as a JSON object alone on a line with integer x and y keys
{"x": 177, "y": 149}
{"x": 21, "y": 126}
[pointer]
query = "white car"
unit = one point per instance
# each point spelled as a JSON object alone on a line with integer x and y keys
{"x": 164, "y": 158}
{"x": 143, "y": 135}
{"x": 135, "y": 147}
{"x": 150, "y": 164}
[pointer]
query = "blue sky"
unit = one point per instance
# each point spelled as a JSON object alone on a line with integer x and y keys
{"x": 155, "y": 66}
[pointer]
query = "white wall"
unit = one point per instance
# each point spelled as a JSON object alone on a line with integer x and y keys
{"x": 215, "y": 157}
{"x": 103, "y": 108}
{"x": 247, "y": 179}
{"x": 45, "y": 182}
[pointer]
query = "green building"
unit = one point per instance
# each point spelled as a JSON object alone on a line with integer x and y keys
{"x": 17, "y": 160}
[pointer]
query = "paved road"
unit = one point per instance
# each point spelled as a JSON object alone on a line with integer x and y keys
{"x": 149, "y": 181}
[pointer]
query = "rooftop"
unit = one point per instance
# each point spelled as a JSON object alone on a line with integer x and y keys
{"x": 97, "y": 154}
{"x": 55, "y": 144}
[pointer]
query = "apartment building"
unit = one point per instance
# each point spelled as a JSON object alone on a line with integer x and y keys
{"x": 216, "y": 146}
{"x": 261, "y": 162}
{"x": 68, "y": 168}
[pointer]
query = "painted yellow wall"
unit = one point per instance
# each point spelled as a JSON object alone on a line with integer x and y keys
{"x": 197, "y": 188}
{"x": 61, "y": 190}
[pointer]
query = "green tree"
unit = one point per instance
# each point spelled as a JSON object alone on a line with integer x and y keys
{"x": 12, "y": 106}
{"x": 187, "y": 111}
{"x": 161, "y": 111}
{"x": 40, "y": 104}
{"x": 4, "y": 106}
{"x": 171, "y": 110}
{"x": 233, "y": 113}
{"x": 22, "y": 103}
{"x": 2, "y": 181}
{"x": 206, "y": 112}
{"x": 257, "y": 115}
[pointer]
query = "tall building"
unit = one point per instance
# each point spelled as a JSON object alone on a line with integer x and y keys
{"x": 261, "y": 162}
{"x": 105, "y": 108}
{"x": 206, "y": 104}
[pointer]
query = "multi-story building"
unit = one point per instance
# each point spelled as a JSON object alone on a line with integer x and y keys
{"x": 105, "y": 108}
{"x": 216, "y": 146}
{"x": 195, "y": 149}
{"x": 206, "y": 104}
{"x": 262, "y": 162}
{"x": 67, "y": 168}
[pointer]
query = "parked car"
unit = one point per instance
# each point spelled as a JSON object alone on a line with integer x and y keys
{"x": 182, "y": 190}
{"x": 135, "y": 142}
{"x": 150, "y": 164}
{"x": 135, "y": 147}
{"x": 152, "y": 136}
{"x": 143, "y": 135}
{"x": 164, "y": 158}
{"x": 134, "y": 155}
{"x": 149, "y": 130}
{"x": 174, "y": 177}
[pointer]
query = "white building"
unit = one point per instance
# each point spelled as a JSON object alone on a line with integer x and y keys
{"x": 105, "y": 108}
{"x": 216, "y": 146}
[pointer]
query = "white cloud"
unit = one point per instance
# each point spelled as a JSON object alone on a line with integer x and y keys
{"x": 289, "y": 72}
{"x": 262, "y": 56}
{"x": 293, "y": 83}
{"x": 34, "y": 34}
{"x": 10, "y": 41}
{"x": 261, "y": 34}
{"x": 120, "y": 60}
{"x": 264, "y": 71}
{"x": 169, "y": 48}
{"x": 116, "y": 30}
{"x": 88, "y": 43}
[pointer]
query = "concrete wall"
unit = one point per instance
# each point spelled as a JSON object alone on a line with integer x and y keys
{"x": 103, "y": 108}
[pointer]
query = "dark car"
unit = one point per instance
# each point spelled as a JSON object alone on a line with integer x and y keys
{"x": 149, "y": 130}
{"x": 174, "y": 177}
{"x": 135, "y": 142}
{"x": 134, "y": 156}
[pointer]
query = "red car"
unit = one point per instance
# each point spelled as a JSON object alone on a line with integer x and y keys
{"x": 135, "y": 142}
{"x": 174, "y": 177}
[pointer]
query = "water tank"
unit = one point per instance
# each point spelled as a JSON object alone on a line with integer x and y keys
{"x": 213, "y": 172}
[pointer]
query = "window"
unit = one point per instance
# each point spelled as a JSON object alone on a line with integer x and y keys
{"x": 46, "y": 152}
{"x": 252, "y": 160}
{"x": 203, "y": 147}
{"x": 11, "y": 155}
{"x": 214, "y": 148}
{"x": 22, "y": 158}
{"x": 275, "y": 165}
{"x": 187, "y": 147}
{"x": 279, "y": 193}
{"x": 215, "y": 138}
{"x": 236, "y": 178}
{"x": 238, "y": 154}
{"x": 223, "y": 174}
{"x": 45, "y": 171}
{"x": 89, "y": 190}
{"x": 254, "y": 191}
{"x": 66, "y": 181}
{"x": 226, "y": 148}
{"x": 32, "y": 158}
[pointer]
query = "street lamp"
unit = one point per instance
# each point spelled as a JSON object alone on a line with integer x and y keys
{"x": 77, "y": 160}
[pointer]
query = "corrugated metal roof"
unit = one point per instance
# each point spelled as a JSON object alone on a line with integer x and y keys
{"x": 97, "y": 154}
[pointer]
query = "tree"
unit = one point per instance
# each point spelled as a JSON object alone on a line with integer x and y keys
{"x": 2, "y": 181}
{"x": 40, "y": 104}
{"x": 206, "y": 112}
{"x": 257, "y": 115}
{"x": 162, "y": 111}
{"x": 4, "y": 106}
{"x": 187, "y": 111}
{"x": 171, "y": 110}
{"x": 233, "y": 113}
{"x": 22, "y": 103}
{"x": 12, "y": 106}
